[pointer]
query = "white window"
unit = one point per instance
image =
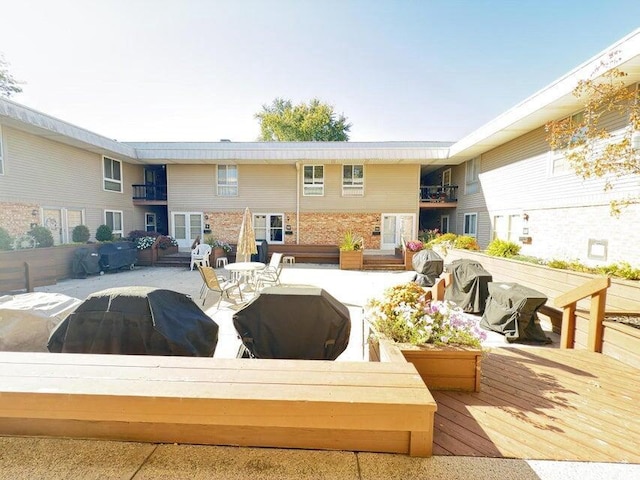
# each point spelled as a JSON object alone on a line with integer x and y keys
{"x": 227, "y": 180}
{"x": 113, "y": 218}
{"x": 470, "y": 224}
{"x": 558, "y": 163}
{"x": 1, "y": 155}
{"x": 313, "y": 180}
{"x": 472, "y": 175}
{"x": 507, "y": 227}
{"x": 444, "y": 224}
{"x": 269, "y": 227}
{"x": 352, "y": 180}
{"x": 112, "y": 172}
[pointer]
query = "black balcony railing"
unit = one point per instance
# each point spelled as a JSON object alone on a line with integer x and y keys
{"x": 149, "y": 192}
{"x": 439, "y": 193}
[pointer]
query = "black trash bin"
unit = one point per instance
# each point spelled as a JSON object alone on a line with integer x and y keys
{"x": 116, "y": 255}
{"x": 512, "y": 310}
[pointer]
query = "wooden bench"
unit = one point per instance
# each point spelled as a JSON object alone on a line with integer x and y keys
{"x": 309, "y": 253}
{"x": 359, "y": 406}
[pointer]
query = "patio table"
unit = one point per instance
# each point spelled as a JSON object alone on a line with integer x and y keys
{"x": 244, "y": 272}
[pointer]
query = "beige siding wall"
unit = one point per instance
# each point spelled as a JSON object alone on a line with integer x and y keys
{"x": 565, "y": 211}
{"x": 52, "y": 175}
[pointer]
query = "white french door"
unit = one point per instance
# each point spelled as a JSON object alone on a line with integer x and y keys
{"x": 186, "y": 227}
{"x": 395, "y": 227}
{"x": 61, "y": 222}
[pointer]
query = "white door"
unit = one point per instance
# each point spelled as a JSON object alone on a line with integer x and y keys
{"x": 395, "y": 228}
{"x": 52, "y": 219}
{"x": 444, "y": 224}
{"x": 150, "y": 222}
{"x": 186, "y": 227}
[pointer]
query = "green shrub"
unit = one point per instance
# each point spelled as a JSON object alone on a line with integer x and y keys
{"x": 6, "y": 240}
{"x": 104, "y": 233}
{"x": 621, "y": 270}
{"x": 43, "y": 236}
{"x": 445, "y": 237}
{"x": 503, "y": 248}
{"x": 466, "y": 242}
{"x": 80, "y": 234}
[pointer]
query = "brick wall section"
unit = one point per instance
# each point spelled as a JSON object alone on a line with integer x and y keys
{"x": 17, "y": 218}
{"x": 564, "y": 234}
{"x": 315, "y": 228}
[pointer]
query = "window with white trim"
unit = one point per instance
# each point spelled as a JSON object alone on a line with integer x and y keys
{"x": 113, "y": 218}
{"x": 1, "y": 155}
{"x": 470, "y": 224}
{"x": 313, "y": 180}
{"x": 352, "y": 180}
{"x": 112, "y": 174}
{"x": 446, "y": 177}
{"x": 472, "y": 175}
{"x": 227, "y": 180}
{"x": 269, "y": 227}
{"x": 558, "y": 163}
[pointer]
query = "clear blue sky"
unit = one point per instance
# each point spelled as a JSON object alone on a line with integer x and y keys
{"x": 197, "y": 70}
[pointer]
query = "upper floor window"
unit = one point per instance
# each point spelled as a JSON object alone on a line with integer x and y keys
{"x": 313, "y": 180}
{"x": 228, "y": 180}
{"x": 352, "y": 180}
{"x": 559, "y": 165}
{"x": 472, "y": 175}
{"x": 112, "y": 172}
{"x": 113, "y": 218}
{"x": 446, "y": 177}
{"x": 470, "y": 224}
{"x": 1, "y": 155}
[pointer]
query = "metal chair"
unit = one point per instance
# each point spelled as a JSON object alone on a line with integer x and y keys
{"x": 271, "y": 273}
{"x": 217, "y": 284}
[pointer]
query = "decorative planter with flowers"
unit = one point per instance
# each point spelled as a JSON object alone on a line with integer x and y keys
{"x": 410, "y": 249}
{"x": 442, "y": 341}
{"x": 151, "y": 248}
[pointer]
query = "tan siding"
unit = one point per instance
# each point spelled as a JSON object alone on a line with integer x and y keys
{"x": 51, "y": 174}
{"x": 261, "y": 187}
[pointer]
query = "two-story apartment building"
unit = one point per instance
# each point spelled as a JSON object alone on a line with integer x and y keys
{"x": 501, "y": 181}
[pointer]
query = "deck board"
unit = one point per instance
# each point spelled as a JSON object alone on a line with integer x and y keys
{"x": 547, "y": 404}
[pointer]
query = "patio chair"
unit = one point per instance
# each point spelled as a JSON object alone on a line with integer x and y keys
{"x": 271, "y": 273}
{"x": 200, "y": 255}
{"x": 217, "y": 284}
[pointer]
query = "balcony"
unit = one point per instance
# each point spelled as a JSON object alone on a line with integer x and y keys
{"x": 149, "y": 194}
{"x": 438, "y": 196}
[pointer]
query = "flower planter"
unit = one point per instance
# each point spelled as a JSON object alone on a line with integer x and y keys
{"x": 145, "y": 257}
{"x": 441, "y": 367}
{"x": 408, "y": 259}
{"x": 351, "y": 260}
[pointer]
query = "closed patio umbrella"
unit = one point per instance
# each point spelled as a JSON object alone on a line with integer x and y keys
{"x": 246, "y": 239}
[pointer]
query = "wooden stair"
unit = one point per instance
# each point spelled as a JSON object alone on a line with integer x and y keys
{"x": 382, "y": 262}
{"x": 180, "y": 259}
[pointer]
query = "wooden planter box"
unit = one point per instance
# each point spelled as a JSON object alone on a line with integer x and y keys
{"x": 351, "y": 260}
{"x": 621, "y": 342}
{"x": 408, "y": 259}
{"x": 441, "y": 367}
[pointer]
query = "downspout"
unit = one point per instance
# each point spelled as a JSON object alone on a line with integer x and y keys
{"x": 297, "y": 203}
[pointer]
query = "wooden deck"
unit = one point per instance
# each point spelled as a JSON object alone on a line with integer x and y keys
{"x": 547, "y": 404}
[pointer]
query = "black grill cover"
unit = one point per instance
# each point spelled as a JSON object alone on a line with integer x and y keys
{"x": 117, "y": 255}
{"x": 512, "y": 310}
{"x": 294, "y": 322}
{"x": 263, "y": 253}
{"x": 468, "y": 288}
{"x": 85, "y": 262}
{"x": 136, "y": 321}
{"x": 428, "y": 264}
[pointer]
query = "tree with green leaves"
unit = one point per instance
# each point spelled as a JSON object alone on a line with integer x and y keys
{"x": 8, "y": 84}
{"x": 313, "y": 122}
{"x": 590, "y": 147}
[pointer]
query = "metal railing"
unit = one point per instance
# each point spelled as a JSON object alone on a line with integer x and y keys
{"x": 149, "y": 192}
{"x": 438, "y": 193}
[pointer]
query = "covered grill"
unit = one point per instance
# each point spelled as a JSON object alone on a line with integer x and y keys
{"x": 428, "y": 264}
{"x": 136, "y": 321}
{"x": 468, "y": 287}
{"x": 294, "y": 322}
{"x": 118, "y": 255}
{"x": 85, "y": 262}
{"x": 512, "y": 310}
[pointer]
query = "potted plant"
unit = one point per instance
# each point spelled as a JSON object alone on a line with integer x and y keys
{"x": 410, "y": 248}
{"x": 219, "y": 248}
{"x": 442, "y": 341}
{"x": 351, "y": 251}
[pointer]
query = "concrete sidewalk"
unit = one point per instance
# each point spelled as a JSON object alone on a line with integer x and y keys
{"x": 48, "y": 458}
